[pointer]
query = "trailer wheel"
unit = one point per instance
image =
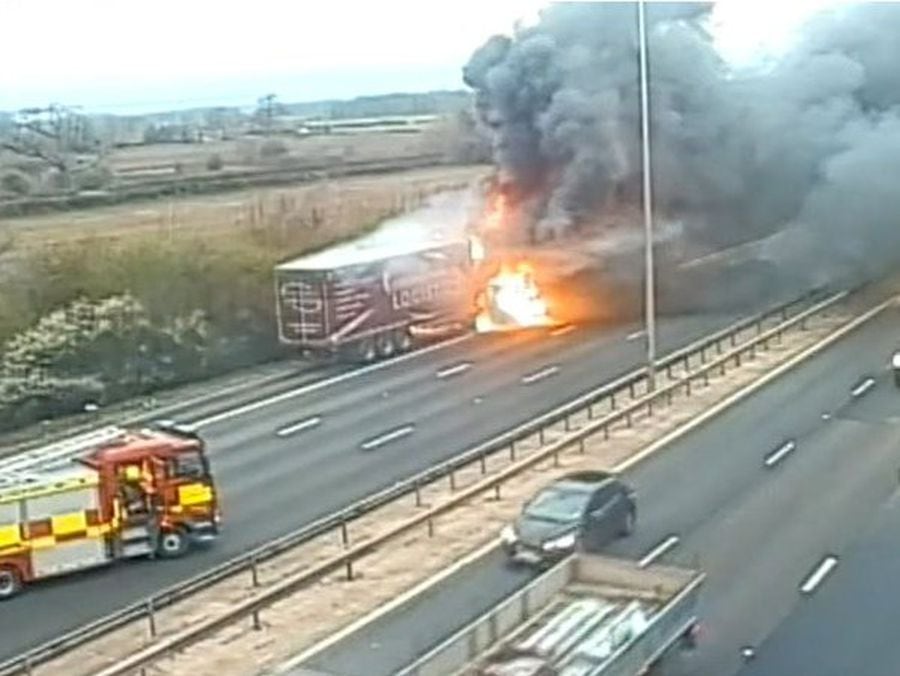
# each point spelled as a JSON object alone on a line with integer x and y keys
{"x": 385, "y": 343}
{"x": 403, "y": 341}
{"x": 173, "y": 543}
{"x": 366, "y": 351}
{"x": 10, "y": 582}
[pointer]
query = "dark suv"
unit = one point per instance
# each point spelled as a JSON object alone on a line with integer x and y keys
{"x": 581, "y": 510}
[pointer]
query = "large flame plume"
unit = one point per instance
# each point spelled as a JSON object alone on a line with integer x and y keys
{"x": 512, "y": 300}
{"x": 511, "y": 297}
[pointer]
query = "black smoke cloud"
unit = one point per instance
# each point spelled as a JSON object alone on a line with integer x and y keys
{"x": 807, "y": 148}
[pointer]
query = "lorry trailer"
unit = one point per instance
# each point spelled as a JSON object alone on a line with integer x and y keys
{"x": 102, "y": 496}
{"x": 365, "y": 302}
{"x": 590, "y": 615}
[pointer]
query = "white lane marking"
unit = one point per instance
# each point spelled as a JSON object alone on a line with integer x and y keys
{"x": 299, "y": 427}
{"x": 539, "y": 375}
{"x": 563, "y": 330}
{"x": 818, "y": 575}
{"x": 636, "y": 335}
{"x": 778, "y": 454}
{"x": 321, "y": 384}
{"x": 863, "y": 387}
{"x": 659, "y": 550}
{"x": 755, "y": 386}
{"x": 448, "y": 371}
{"x": 387, "y": 437}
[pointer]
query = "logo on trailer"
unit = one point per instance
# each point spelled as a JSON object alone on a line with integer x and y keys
{"x": 421, "y": 289}
{"x": 295, "y": 295}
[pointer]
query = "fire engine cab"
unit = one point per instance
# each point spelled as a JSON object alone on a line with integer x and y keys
{"x": 98, "y": 497}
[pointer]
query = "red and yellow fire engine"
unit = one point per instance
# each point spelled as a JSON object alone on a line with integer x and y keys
{"x": 102, "y": 496}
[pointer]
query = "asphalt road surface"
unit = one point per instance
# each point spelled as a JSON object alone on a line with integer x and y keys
{"x": 284, "y": 464}
{"x": 849, "y": 623}
{"x": 757, "y": 531}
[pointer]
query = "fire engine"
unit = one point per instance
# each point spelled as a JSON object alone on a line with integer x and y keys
{"x": 102, "y": 496}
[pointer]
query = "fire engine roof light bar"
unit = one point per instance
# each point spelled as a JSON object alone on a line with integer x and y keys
{"x": 649, "y": 284}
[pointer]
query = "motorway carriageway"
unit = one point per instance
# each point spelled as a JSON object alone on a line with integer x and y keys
{"x": 849, "y": 624}
{"x": 281, "y": 465}
{"x": 759, "y": 530}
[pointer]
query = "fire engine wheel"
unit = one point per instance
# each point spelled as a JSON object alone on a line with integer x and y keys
{"x": 172, "y": 544}
{"x": 385, "y": 343}
{"x": 10, "y": 583}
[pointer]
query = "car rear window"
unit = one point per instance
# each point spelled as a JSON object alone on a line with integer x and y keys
{"x": 558, "y": 504}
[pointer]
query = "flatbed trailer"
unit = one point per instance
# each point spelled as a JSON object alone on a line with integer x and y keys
{"x": 588, "y": 616}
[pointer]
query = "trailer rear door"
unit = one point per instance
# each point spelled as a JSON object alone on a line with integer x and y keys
{"x": 302, "y": 306}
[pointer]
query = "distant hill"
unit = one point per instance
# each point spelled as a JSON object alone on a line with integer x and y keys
{"x": 427, "y": 103}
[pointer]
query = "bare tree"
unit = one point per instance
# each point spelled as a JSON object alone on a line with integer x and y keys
{"x": 267, "y": 110}
{"x": 53, "y": 135}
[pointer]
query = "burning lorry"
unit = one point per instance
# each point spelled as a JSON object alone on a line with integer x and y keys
{"x": 102, "y": 496}
{"x": 369, "y": 302}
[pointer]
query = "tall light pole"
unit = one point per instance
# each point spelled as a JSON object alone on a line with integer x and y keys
{"x": 649, "y": 285}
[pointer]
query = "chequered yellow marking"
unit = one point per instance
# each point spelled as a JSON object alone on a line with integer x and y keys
{"x": 66, "y": 524}
{"x": 13, "y": 551}
{"x": 10, "y": 535}
{"x": 97, "y": 531}
{"x": 194, "y": 494}
{"x": 43, "y": 542}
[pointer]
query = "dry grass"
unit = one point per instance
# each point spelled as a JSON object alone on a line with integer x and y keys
{"x": 343, "y": 205}
{"x": 316, "y": 612}
{"x": 243, "y": 153}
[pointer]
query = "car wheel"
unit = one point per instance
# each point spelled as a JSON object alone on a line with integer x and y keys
{"x": 10, "y": 582}
{"x": 628, "y": 523}
{"x": 173, "y": 544}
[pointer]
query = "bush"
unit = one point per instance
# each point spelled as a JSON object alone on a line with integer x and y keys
{"x": 53, "y": 180}
{"x": 94, "y": 178}
{"x": 26, "y": 401}
{"x": 215, "y": 162}
{"x": 15, "y": 183}
{"x": 111, "y": 342}
{"x": 273, "y": 148}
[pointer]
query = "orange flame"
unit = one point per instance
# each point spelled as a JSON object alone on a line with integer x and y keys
{"x": 495, "y": 216}
{"x": 512, "y": 300}
{"x": 477, "y": 251}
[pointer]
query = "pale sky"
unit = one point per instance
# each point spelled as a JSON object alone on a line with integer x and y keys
{"x": 127, "y": 56}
